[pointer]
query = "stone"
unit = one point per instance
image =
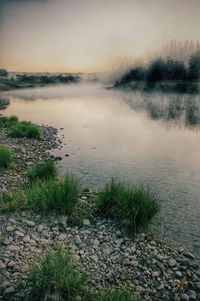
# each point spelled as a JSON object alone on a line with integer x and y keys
{"x": 192, "y": 294}
{"x": 107, "y": 251}
{"x": 32, "y": 242}
{"x": 11, "y": 264}
{"x": 9, "y": 290}
{"x": 10, "y": 229}
{"x": 189, "y": 255}
{"x": 40, "y": 228}
{"x": 5, "y": 284}
{"x": 184, "y": 297}
{"x": 62, "y": 237}
{"x": 13, "y": 248}
{"x": 172, "y": 263}
{"x": 26, "y": 238}
{"x": 86, "y": 222}
{"x": 77, "y": 239}
{"x": 2, "y": 265}
{"x": 20, "y": 234}
{"x": 30, "y": 223}
{"x": 94, "y": 258}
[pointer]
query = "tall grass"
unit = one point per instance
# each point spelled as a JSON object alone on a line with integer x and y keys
{"x": 134, "y": 207}
{"x": 60, "y": 196}
{"x": 25, "y": 129}
{"x": 5, "y": 156}
{"x": 20, "y": 128}
{"x": 12, "y": 201}
{"x": 121, "y": 295}
{"x": 8, "y": 121}
{"x": 54, "y": 274}
{"x": 42, "y": 171}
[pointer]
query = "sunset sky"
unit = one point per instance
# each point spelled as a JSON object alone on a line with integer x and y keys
{"x": 90, "y": 35}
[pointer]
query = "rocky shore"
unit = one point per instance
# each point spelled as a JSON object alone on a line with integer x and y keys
{"x": 26, "y": 152}
{"x": 146, "y": 265}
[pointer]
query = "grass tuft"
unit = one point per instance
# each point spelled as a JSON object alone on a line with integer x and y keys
{"x": 5, "y": 156}
{"x": 8, "y": 122}
{"x": 54, "y": 275}
{"x": 134, "y": 207}
{"x": 55, "y": 195}
{"x": 42, "y": 171}
{"x": 12, "y": 201}
{"x": 25, "y": 129}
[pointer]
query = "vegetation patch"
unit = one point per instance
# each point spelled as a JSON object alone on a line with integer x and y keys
{"x": 55, "y": 276}
{"x": 134, "y": 207}
{"x": 12, "y": 201}
{"x": 7, "y": 122}
{"x": 20, "y": 129}
{"x": 25, "y": 129}
{"x": 5, "y": 156}
{"x": 55, "y": 195}
{"x": 42, "y": 171}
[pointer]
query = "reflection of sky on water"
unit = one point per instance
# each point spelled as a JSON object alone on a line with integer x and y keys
{"x": 139, "y": 138}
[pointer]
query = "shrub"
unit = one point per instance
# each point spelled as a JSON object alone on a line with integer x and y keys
{"x": 8, "y": 121}
{"x": 42, "y": 171}
{"x": 121, "y": 295}
{"x": 25, "y": 129}
{"x": 11, "y": 201}
{"x": 134, "y": 207}
{"x": 60, "y": 196}
{"x": 54, "y": 275}
{"x": 5, "y": 156}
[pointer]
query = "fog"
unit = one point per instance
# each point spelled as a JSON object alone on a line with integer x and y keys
{"x": 90, "y": 35}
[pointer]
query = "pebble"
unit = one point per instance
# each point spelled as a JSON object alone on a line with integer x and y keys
{"x": 184, "y": 297}
{"x": 172, "y": 263}
{"x": 86, "y": 222}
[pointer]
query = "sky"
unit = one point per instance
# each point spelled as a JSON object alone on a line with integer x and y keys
{"x": 90, "y": 35}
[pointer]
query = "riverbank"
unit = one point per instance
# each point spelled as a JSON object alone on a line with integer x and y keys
{"x": 176, "y": 86}
{"x": 146, "y": 265}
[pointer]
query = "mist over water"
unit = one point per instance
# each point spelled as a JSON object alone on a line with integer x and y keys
{"x": 145, "y": 138}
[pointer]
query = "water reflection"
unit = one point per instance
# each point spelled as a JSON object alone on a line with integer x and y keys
{"x": 179, "y": 110}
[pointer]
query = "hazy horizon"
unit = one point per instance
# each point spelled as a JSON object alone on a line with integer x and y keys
{"x": 90, "y": 36}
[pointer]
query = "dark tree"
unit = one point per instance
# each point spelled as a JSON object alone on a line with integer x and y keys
{"x": 194, "y": 66}
{"x": 3, "y": 72}
{"x": 156, "y": 71}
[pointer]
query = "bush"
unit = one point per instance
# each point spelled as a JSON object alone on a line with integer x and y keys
{"x": 5, "y": 156}
{"x": 11, "y": 201}
{"x": 121, "y": 295}
{"x": 25, "y": 129}
{"x": 54, "y": 275}
{"x": 60, "y": 196}
{"x": 8, "y": 121}
{"x": 134, "y": 207}
{"x": 42, "y": 171}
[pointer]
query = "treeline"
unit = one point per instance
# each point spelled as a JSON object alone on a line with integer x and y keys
{"x": 47, "y": 79}
{"x": 32, "y": 80}
{"x": 162, "y": 70}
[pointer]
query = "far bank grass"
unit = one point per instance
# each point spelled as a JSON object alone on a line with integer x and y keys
{"x": 20, "y": 129}
{"x": 133, "y": 207}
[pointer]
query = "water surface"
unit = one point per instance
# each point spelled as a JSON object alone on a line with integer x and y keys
{"x": 152, "y": 139}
